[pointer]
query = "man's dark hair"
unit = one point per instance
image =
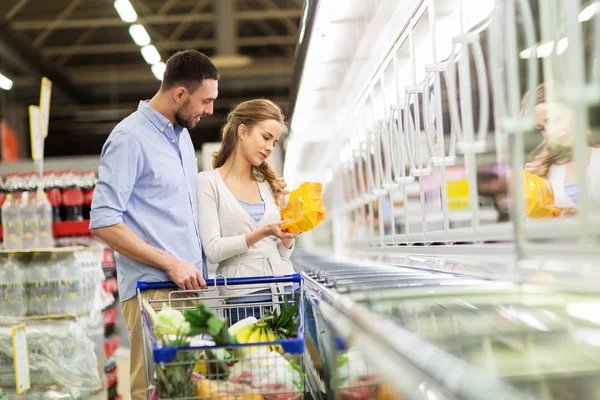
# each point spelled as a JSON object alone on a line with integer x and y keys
{"x": 188, "y": 68}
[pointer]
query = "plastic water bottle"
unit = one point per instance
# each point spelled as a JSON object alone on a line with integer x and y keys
{"x": 11, "y": 223}
{"x": 44, "y": 217}
{"x": 30, "y": 221}
{"x": 11, "y": 286}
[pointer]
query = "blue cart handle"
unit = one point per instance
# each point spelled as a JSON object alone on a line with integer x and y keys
{"x": 250, "y": 280}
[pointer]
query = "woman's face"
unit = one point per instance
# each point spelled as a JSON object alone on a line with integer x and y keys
{"x": 555, "y": 122}
{"x": 257, "y": 142}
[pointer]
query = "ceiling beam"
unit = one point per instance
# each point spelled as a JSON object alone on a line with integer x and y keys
{"x": 21, "y": 49}
{"x": 273, "y": 67}
{"x": 155, "y": 19}
{"x": 15, "y": 9}
{"x": 186, "y": 22}
{"x": 166, "y": 45}
{"x": 64, "y": 14}
{"x": 287, "y": 22}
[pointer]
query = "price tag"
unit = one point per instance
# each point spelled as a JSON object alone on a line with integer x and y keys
{"x": 37, "y": 140}
{"x": 21, "y": 358}
{"x": 45, "y": 93}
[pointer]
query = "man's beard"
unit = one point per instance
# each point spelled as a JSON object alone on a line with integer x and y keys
{"x": 180, "y": 119}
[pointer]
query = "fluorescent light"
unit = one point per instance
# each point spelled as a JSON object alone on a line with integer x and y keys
{"x": 158, "y": 70}
{"x": 562, "y": 45}
{"x": 546, "y": 49}
{"x": 5, "y": 83}
{"x": 139, "y": 35}
{"x": 150, "y": 54}
{"x": 525, "y": 54}
{"x": 589, "y": 12}
{"x": 125, "y": 10}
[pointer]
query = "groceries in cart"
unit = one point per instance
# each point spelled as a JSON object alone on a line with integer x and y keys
{"x": 305, "y": 207}
{"x": 355, "y": 379}
{"x": 256, "y": 358}
{"x": 539, "y": 198}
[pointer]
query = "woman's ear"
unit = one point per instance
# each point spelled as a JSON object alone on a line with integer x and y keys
{"x": 241, "y": 131}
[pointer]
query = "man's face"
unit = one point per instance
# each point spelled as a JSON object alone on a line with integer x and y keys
{"x": 196, "y": 105}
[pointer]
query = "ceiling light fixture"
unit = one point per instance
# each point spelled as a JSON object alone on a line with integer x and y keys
{"x": 125, "y": 10}
{"x": 150, "y": 54}
{"x": 5, "y": 83}
{"x": 158, "y": 70}
{"x": 139, "y": 35}
{"x": 587, "y": 13}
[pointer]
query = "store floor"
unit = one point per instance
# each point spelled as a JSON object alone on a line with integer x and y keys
{"x": 122, "y": 359}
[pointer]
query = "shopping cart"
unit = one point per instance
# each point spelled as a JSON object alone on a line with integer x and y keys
{"x": 266, "y": 370}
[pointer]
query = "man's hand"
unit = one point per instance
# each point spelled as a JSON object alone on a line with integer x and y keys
{"x": 185, "y": 275}
{"x": 282, "y": 185}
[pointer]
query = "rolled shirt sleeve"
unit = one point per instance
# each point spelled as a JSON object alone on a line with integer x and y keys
{"x": 120, "y": 166}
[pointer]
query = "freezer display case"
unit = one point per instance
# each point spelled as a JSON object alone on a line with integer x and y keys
{"x": 459, "y": 146}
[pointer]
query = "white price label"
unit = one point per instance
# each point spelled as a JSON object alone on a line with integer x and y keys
{"x": 45, "y": 93}
{"x": 21, "y": 358}
{"x": 37, "y": 140}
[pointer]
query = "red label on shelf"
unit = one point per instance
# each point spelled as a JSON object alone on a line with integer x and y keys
{"x": 111, "y": 377}
{"x": 110, "y": 285}
{"x": 109, "y": 316}
{"x": 108, "y": 257}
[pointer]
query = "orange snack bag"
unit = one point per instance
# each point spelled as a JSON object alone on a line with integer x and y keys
{"x": 539, "y": 198}
{"x": 306, "y": 207}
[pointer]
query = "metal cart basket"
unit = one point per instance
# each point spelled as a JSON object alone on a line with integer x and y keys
{"x": 199, "y": 369}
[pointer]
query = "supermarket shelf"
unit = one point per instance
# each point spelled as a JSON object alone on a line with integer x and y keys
{"x": 69, "y": 249}
{"x": 67, "y": 229}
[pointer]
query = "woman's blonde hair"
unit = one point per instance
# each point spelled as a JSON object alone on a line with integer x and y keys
{"x": 250, "y": 113}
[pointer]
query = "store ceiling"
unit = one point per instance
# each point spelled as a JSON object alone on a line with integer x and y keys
{"x": 99, "y": 74}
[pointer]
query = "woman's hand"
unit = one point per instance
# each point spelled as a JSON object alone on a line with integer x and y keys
{"x": 534, "y": 166}
{"x": 274, "y": 229}
{"x": 282, "y": 185}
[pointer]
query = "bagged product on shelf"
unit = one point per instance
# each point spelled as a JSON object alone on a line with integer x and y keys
{"x": 60, "y": 353}
{"x": 306, "y": 207}
{"x": 539, "y": 198}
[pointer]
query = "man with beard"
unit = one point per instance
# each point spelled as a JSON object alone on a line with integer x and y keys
{"x": 144, "y": 204}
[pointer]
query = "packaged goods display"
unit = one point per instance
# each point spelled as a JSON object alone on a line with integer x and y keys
{"x": 60, "y": 355}
{"x": 69, "y": 193}
{"x": 50, "y": 283}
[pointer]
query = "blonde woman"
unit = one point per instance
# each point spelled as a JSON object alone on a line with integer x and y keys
{"x": 553, "y": 158}
{"x": 239, "y": 200}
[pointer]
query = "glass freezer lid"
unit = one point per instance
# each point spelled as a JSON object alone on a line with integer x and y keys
{"x": 531, "y": 343}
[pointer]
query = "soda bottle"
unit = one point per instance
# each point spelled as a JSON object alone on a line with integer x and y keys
{"x": 72, "y": 197}
{"x": 44, "y": 217}
{"x": 88, "y": 182}
{"x": 11, "y": 223}
{"x": 30, "y": 221}
{"x": 3, "y": 193}
{"x": 53, "y": 194}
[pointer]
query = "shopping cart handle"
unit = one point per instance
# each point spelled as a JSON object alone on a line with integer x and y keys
{"x": 249, "y": 280}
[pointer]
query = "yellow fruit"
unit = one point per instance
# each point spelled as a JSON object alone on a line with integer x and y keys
{"x": 244, "y": 334}
{"x": 255, "y": 336}
{"x": 263, "y": 335}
